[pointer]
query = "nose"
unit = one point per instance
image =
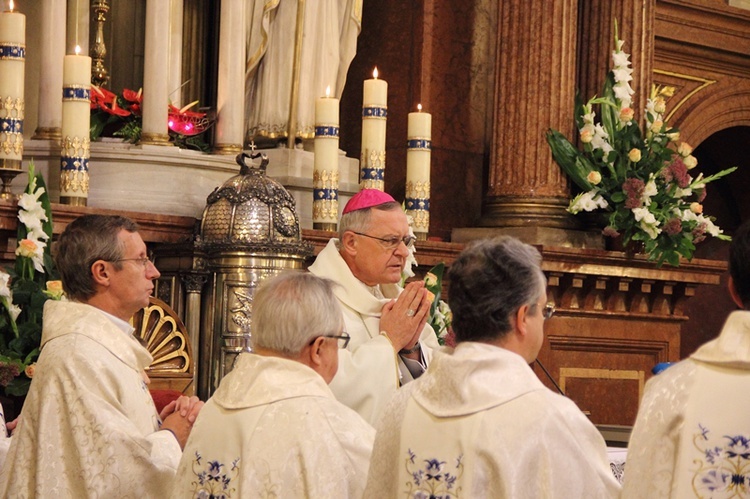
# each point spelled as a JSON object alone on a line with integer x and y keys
{"x": 151, "y": 271}
{"x": 402, "y": 249}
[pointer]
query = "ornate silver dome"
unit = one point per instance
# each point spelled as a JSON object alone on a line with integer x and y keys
{"x": 251, "y": 212}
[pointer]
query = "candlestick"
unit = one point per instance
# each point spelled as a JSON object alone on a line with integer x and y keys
{"x": 418, "y": 152}
{"x": 76, "y": 117}
{"x": 12, "y": 64}
{"x": 374, "y": 114}
{"x": 326, "y": 163}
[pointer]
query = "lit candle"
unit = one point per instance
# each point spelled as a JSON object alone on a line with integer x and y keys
{"x": 419, "y": 144}
{"x": 12, "y": 62}
{"x": 374, "y": 114}
{"x": 76, "y": 116}
{"x": 326, "y": 163}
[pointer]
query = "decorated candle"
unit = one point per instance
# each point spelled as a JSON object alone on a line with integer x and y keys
{"x": 74, "y": 158}
{"x": 12, "y": 62}
{"x": 374, "y": 114}
{"x": 418, "y": 146}
{"x": 326, "y": 163}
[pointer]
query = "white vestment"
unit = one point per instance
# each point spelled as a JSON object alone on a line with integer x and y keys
{"x": 369, "y": 369}
{"x": 692, "y": 434}
{"x": 478, "y": 424}
{"x": 4, "y": 438}
{"x": 330, "y": 31}
{"x": 88, "y": 427}
{"x": 274, "y": 429}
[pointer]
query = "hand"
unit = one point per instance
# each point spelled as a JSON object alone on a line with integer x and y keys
{"x": 179, "y": 426}
{"x": 188, "y": 407}
{"x": 403, "y": 319}
{"x": 11, "y": 427}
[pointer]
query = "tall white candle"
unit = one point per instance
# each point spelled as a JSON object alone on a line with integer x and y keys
{"x": 12, "y": 62}
{"x": 419, "y": 145}
{"x": 326, "y": 163}
{"x": 374, "y": 115}
{"x": 76, "y": 117}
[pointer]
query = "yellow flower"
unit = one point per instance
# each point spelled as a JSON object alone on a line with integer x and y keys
{"x": 27, "y": 248}
{"x": 660, "y": 105}
{"x": 587, "y": 136}
{"x": 634, "y": 155}
{"x": 674, "y": 136}
{"x": 594, "y": 178}
{"x": 657, "y": 125}
{"x": 626, "y": 114}
{"x": 696, "y": 207}
{"x": 685, "y": 149}
{"x": 690, "y": 162}
{"x": 29, "y": 371}
{"x": 54, "y": 289}
{"x": 430, "y": 279}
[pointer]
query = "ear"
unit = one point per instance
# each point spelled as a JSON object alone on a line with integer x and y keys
{"x": 521, "y": 316}
{"x": 734, "y": 294}
{"x": 349, "y": 243}
{"x": 316, "y": 353}
{"x": 101, "y": 272}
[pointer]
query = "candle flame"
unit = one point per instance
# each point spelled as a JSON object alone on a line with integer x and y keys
{"x": 10, "y": 5}
{"x": 375, "y": 73}
{"x": 419, "y": 108}
{"x": 328, "y": 91}
{"x": 78, "y": 50}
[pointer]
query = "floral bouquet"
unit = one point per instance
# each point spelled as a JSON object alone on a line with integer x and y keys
{"x": 640, "y": 178}
{"x": 440, "y": 313}
{"x": 123, "y": 112}
{"x": 25, "y": 288}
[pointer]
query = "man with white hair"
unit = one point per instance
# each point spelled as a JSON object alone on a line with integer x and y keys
{"x": 273, "y": 428}
{"x": 479, "y": 423}
{"x": 391, "y": 343}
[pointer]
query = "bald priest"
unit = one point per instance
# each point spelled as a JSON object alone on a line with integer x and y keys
{"x": 391, "y": 342}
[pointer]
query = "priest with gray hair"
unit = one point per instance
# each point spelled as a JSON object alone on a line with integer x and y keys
{"x": 502, "y": 433}
{"x": 273, "y": 427}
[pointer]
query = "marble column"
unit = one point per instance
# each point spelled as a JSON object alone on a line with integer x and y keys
{"x": 193, "y": 283}
{"x": 52, "y": 52}
{"x": 176, "y": 10}
{"x": 156, "y": 74}
{"x": 534, "y": 88}
{"x": 230, "y": 98}
{"x": 635, "y": 25}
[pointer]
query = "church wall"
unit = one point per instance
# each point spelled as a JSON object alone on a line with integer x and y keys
{"x": 437, "y": 53}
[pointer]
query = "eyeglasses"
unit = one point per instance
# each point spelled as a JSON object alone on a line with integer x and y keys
{"x": 144, "y": 260}
{"x": 341, "y": 339}
{"x": 390, "y": 243}
{"x": 548, "y": 311}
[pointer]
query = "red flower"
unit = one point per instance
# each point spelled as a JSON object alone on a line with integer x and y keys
{"x": 103, "y": 99}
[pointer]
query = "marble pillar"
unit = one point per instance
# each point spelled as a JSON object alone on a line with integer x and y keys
{"x": 176, "y": 11}
{"x": 156, "y": 75}
{"x": 52, "y": 52}
{"x": 635, "y": 25}
{"x": 230, "y": 98}
{"x": 534, "y": 88}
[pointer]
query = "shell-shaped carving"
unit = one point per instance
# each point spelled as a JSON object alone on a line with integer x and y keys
{"x": 165, "y": 336}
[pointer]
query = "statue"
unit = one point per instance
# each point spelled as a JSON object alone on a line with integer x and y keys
{"x": 292, "y": 58}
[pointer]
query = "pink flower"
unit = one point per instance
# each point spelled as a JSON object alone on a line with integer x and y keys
{"x": 633, "y": 188}
{"x": 673, "y": 226}
{"x": 699, "y": 233}
{"x": 29, "y": 371}
{"x": 678, "y": 173}
{"x": 610, "y": 231}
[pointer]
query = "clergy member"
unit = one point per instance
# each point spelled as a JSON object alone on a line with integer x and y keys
{"x": 273, "y": 427}
{"x": 479, "y": 423}
{"x": 692, "y": 434}
{"x": 88, "y": 427}
{"x": 391, "y": 343}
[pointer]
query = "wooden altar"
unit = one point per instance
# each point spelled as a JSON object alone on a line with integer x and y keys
{"x": 617, "y": 316}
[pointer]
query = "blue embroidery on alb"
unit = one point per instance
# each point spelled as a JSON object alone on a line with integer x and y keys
{"x": 724, "y": 470}
{"x": 213, "y": 480}
{"x": 431, "y": 478}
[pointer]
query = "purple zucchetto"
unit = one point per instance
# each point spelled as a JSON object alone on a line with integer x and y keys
{"x": 367, "y": 198}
